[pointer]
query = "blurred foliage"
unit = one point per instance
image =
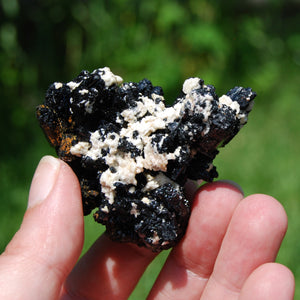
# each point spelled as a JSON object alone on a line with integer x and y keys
{"x": 256, "y": 43}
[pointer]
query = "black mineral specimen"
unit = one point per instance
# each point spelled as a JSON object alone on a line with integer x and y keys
{"x": 133, "y": 155}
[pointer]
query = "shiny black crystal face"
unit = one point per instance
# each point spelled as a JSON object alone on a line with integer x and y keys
{"x": 132, "y": 154}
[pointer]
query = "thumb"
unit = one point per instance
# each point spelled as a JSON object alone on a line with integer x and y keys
{"x": 49, "y": 241}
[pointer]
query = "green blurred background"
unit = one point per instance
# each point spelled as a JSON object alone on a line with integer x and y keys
{"x": 250, "y": 43}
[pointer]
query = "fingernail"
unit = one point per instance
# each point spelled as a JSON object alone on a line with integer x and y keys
{"x": 43, "y": 180}
{"x": 190, "y": 189}
{"x": 233, "y": 183}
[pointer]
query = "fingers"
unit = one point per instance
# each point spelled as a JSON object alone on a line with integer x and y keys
{"x": 269, "y": 281}
{"x": 190, "y": 264}
{"x": 226, "y": 241}
{"x": 49, "y": 242}
{"x": 253, "y": 238}
{"x": 109, "y": 270}
{"x": 120, "y": 266}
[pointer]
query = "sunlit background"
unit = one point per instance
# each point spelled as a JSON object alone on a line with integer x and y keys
{"x": 252, "y": 43}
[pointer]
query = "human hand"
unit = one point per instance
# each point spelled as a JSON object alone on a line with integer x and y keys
{"x": 228, "y": 251}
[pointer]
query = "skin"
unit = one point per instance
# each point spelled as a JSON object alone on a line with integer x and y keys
{"x": 228, "y": 251}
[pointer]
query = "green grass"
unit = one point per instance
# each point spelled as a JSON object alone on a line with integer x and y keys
{"x": 264, "y": 158}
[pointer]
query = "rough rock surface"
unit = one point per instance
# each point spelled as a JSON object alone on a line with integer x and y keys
{"x": 133, "y": 154}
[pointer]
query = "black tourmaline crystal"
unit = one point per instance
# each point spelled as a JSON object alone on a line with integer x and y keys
{"x": 132, "y": 154}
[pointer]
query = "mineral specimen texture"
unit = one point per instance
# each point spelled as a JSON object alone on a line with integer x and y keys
{"x": 133, "y": 154}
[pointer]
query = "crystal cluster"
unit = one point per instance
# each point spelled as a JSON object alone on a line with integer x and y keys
{"x": 133, "y": 154}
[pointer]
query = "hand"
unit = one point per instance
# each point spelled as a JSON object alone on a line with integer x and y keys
{"x": 228, "y": 251}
